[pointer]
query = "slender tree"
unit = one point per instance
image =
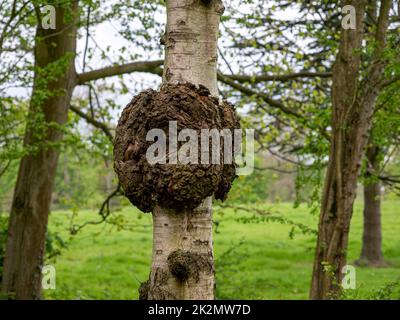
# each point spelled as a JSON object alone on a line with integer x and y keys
{"x": 371, "y": 252}
{"x": 380, "y": 151}
{"x": 52, "y": 90}
{"x": 191, "y": 55}
{"x": 354, "y": 93}
{"x": 54, "y": 81}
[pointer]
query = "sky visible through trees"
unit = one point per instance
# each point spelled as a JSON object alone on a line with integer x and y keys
{"x": 316, "y": 84}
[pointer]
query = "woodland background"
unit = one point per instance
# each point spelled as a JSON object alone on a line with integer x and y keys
{"x": 274, "y": 64}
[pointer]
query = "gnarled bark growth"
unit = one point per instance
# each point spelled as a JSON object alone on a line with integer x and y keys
{"x": 173, "y": 185}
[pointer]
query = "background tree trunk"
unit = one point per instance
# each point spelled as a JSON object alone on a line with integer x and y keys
{"x": 33, "y": 190}
{"x": 191, "y": 55}
{"x": 353, "y": 104}
{"x": 371, "y": 253}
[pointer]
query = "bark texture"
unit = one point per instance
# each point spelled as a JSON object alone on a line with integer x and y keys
{"x": 183, "y": 264}
{"x": 371, "y": 253}
{"x": 191, "y": 56}
{"x": 172, "y": 183}
{"x": 32, "y": 194}
{"x": 353, "y": 102}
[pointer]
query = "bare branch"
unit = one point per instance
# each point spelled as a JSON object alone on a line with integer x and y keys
{"x": 154, "y": 67}
{"x": 104, "y": 211}
{"x": 275, "y": 169}
{"x": 140, "y": 66}
{"x": 93, "y": 121}
{"x": 281, "y": 78}
{"x": 273, "y": 103}
{"x": 391, "y": 81}
{"x": 2, "y": 171}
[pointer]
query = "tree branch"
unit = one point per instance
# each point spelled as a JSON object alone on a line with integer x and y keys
{"x": 263, "y": 96}
{"x": 154, "y": 67}
{"x": 140, "y": 66}
{"x": 275, "y": 169}
{"x": 281, "y": 78}
{"x": 5, "y": 168}
{"x": 391, "y": 81}
{"x": 104, "y": 211}
{"x": 94, "y": 122}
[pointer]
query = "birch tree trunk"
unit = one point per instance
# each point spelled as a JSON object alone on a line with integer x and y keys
{"x": 191, "y": 55}
{"x": 33, "y": 190}
{"x": 353, "y": 103}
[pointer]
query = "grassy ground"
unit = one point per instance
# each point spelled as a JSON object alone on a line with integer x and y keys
{"x": 255, "y": 260}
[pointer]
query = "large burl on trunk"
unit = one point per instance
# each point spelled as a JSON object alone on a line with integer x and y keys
{"x": 172, "y": 183}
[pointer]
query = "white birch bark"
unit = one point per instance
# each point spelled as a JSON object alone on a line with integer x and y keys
{"x": 190, "y": 56}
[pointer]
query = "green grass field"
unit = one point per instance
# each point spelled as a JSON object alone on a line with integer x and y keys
{"x": 254, "y": 260}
